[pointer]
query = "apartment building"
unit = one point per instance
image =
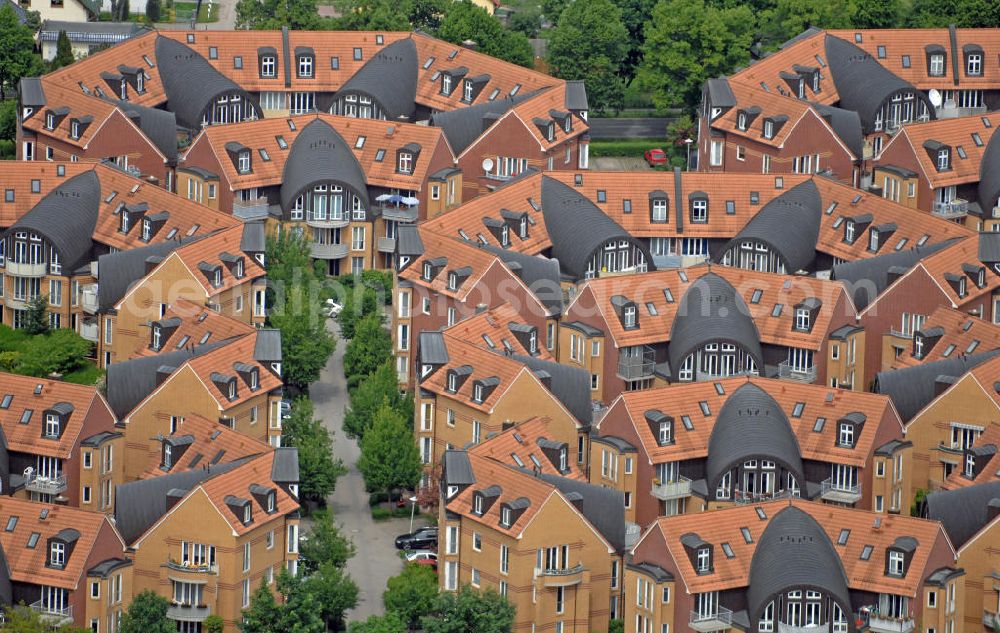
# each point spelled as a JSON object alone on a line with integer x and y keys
{"x": 205, "y": 538}
{"x": 441, "y": 280}
{"x": 62, "y": 443}
{"x": 693, "y": 447}
{"x": 552, "y": 546}
{"x": 185, "y": 323}
{"x": 235, "y": 381}
{"x": 946, "y": 332}
{"x": 196, "y": 442}
{"x": 67, "y": 564}
{"x": 705, "y": 323}
{"x": 940, "y": 167}
{"x": 468, "y": 393}
{"x": 794, "y": 565}
{"x": 969, "y": 516}
{"x": 223, "y": 272}
{"x": 946, "y": 405}
{"x": 895, "y": 293}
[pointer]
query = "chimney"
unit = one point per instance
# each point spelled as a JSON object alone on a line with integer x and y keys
{"x": 173, "y": 496}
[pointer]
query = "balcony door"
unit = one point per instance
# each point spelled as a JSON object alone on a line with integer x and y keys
{"x": 707, "y": 604}
{"x": 54, "y": 600}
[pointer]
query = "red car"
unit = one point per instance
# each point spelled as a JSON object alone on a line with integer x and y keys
{"x": 655, "y": 157}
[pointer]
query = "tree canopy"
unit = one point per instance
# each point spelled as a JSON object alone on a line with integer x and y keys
{"x": 378, "y": 387}
{"x": 470, "y": 611}
{"x": 411, "y": 594}
{"x": 17, "y": 51}
{"x": 325, "y": 544}
{"x": 64, "y": 52}
{"x": 465, "y": 21}
{"x": 147, "y": 613}
{"x": 388, "y": 623}
{"x": 318, "y": 470}
{"x": 389, "y": 455}
{"x": 369, "y": 348}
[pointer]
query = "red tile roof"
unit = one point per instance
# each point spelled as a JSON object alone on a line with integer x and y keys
{"x": 197, "y": 321}
{"x": 237, "y": 482}
{"x": 956, "y": 133}
{"x": 960, "y": 332}
{"x": 211, "y": 443}
{"x": 517, "y": 447}
{"x": 222, "y": 360}
{"x": 490, "y": 330}
{"x": 209, "y": 251}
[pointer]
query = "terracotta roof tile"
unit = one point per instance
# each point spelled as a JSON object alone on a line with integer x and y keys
{"x": 960, "y": 331}
{"x": 517, "y": 447}
{"x": 210, "y": 442}
{"x": 949, "y": 261}
{"x": 459, "y": 254}
{"x": 484, "y": 364}
{"x": 771, "y": 104}
{"x": 808, "y": 51}
{"x": 195, "y": 322}
{"x": 209, "y": 251}
{"x": 988, "y": 473}
{"x": 79, "y": 104}
{"x": 237, "y": 482}
{"x": 494, "y": 324}
{"x": 955, "y": 133}
{"x": 222, "y": 360}
{"x": 17, "y": 177}
{"x": 541, "y": 106}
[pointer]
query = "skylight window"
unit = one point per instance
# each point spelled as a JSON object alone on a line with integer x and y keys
{"x": 669, "y": 296}
{"x": 844, "y": 535}
{"x": 760, "y": 513}
{"x": 829, "y": 209}
{"x": 757, "y": 294}
{"x": 776, "y": 312}
{"x": 866, "y": 552}
{"x": 923, "y": 239}
{"x": 797, "y": 409}
{"x": 719, "y": 389}
{"x": 901, "y": 243}
{"x": 282, "y": 143}
{"x": 978, "y": 140}
{"x": 379, "y": 155}
{"x": 746, "y": 535}
{"x": 948, "y": 350}
{"x": 705, "y": 410}
{"x": 728, "y": 550}
{"x": 818, "y": 427}
{"x": 686, "y": 421}
{"x": 651, "y": 307}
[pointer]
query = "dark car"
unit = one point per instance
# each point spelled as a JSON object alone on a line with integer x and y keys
{"x": 655, "y": 157}
{"x": 424, "y": 538}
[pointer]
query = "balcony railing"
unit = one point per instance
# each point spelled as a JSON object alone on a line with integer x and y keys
{"x": 192, "y": 568}
{"x": 50, "y": 612}
{"x": 497, "y": 177}
{"x": 189, "y": 612}
{"x": 741, "y": 497}
{"x": 888, "y": 624}
{"x": 24, "y": 269}
{"x": 636, "y": 367}
{"x": 900, "y": 333}
{"x": 89, "y": 331}
{"x": 957, "y": 208}
{"x": 990, "y": 620}
{"x": 807, "y": 628}
{"x": 839, "y": 492}
{"x": 953, "y": 111}
{"x": 560, "y": 577}
{"x": 401, "y": 213}
{"x": 88, "y": 298}
{"x": 632, "y": 533}
{"x": 327, "y": 251}
{"x": 328, "y": 222}
{"x": 721, "y": 618}
{"x": 671, "y": 489}
{"x": 386, "y": 244}
{"x": 790, "y": 372}
{"x": 250, "y": 209}
{"x": 45, "y": 485}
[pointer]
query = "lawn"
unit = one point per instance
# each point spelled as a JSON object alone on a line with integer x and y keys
{"x": 184, "y": 11}
{"x": 89, "y": 375}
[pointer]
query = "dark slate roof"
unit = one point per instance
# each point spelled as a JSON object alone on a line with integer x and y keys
{"x": 390, "y": 77}
{"x": 720, "y": 95}
{"x": 458, "y": 469}
{"x": 868, "y": 278}
{"x": 571, "y": 385}
{"x": 160, "y": 126}
{"x": 611, "y": 440}
{"x": 118, "y": 271}
{"x": 254, "y": 238}
{"x": 603, "y": 507}
{"x": 285, "y": 466}
{"x": 989, "y": 174}
{"x": 267, "y": 346}
{"x": 431, "y": 349}
{"x": 140, "y": 504}
{"x": 586, "y": 328}
{"x": 712, "y": 310}
{"x": 99, "y": 438}
{"x": 658, "y": 573}
{"x": 462, "y": 126}
{"x": 66, "y": 217}
{"x": 751, "y": 425}
{"x": 190, "y": 82}
{"x": 789, "y": 225}
{"x": 31, "y": 91}
{"x": 540, "y": 274}
{"x": 576, "y": 95}
{"x": 794, "y": 551}
{"x": 912, "y": 388}
{"x": 318, "y": 154}
{"x": 862, "y": 83}
{"x": 130, "y": 381}
{"x": 577, "y": 227}
{"x": 105, "y": 567}
{"x": 408, "y": 241}
{"x": 847, "y": 125}
{"x": 963, "y": 511}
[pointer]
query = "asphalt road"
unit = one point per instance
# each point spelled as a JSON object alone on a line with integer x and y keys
{"x": 652, "y": 127}
{"x": 376, "y": 559}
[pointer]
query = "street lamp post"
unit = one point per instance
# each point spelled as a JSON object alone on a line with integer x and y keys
{"x": 413, "y": 510}
{"x": 688, "y": 142}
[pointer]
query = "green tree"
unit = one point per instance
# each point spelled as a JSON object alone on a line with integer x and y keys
{"x": 962, "y": 13}
{"x": 465, "y": 21}
{"x": 60, "y": 351}
{"x": 427, "y": 14}
{"x": 389, "y": 456}
{"x": 380, "y": 386}
{"x": 687, "y": 42}
{"x": 470, "y": 611}
{"x": 369, "y": 348}
{"x": 318, "y": 471}
{"x": 273, "y": 14}
{"x": 356, "y": 306}
{"x": 8, "y": 119}
{"x": 288, "y": 258}
{"x": 333, "y": 591}
{"x": 36, "y": 317}
{"x": 878, "y": 14}
{"x": 411, "y": 594}
{"x": 147, "y": 613}
{"x": 635, "y": 14}
{"x": 616, "y": 626}
{"x": 64, "y": 52}
{"x": 388, "y": 623}
{"x": 153, "y": 10}
{"x": 21, "y": 619}
{"x": 306, "y": 345}
{"x": 552, "y": 9}
{"x": 787, "y": 18}
{"x": 17, "y": 46}
{"x": 371, "y": 15}
{"x": 325, "y": 545}
{"x": 300, "y": 611}
{"x": 526, "y": 21}
{"x": 590, "y": 43}
{"x": 214, "y": 624}
{"x": 264, "y": 614}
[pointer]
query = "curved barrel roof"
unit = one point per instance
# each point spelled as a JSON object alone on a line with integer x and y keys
{"x": 794, "y": 552}
{"x": 989, "y": 175}
{"x": 751, "y": 425}
{"x": 320, "y": 154}
{"x": 66, "y": 217}
{"x": 390, "y": 77}
{"x": 712, "y": 311}
{"x": 189, "y": 81}
{"x": 789, "y": 225}
{"x": 963, "y": 511}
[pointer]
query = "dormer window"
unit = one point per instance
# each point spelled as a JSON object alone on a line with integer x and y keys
{"x": 550, "y": 133}
{"x": 873, "y": 240}
{"x": 666, "y": 432}
{"x": 802, "y": 89}
{"x": 123, "y": 89}
{"x": 699, "y": 210}
{"x": 452, "y": 281}
{"x": 970, "y": 465}
{"x": 568, "y": 124}
{"x": 478, "y": 393}
{"x": 961, "y": 287}
{"x": 232, "y": 390}
{"x": 704, "y": 560}
{"x": 628, "y": 316}
{"x": 504, "y": 235}
{"x": 50, "y": 121}
{"x": 147, "y": 229}
{"x": 815, "y": 79}
{"x": 267, "y": 66}
{"x": 935, "y": 65}
{"x": 918, "y": 346}
{"x": 157, "y": 337}
{"x": 468, "y": 89}
{"x": 247, "y": 514}
{"x": 57, "y": 554}
{"x": 305, "y": 66}
{"x": 741, "y": 120}
{"x": 52, "y": 424}
{"x": 270, "y": 502}
{"x": 405, "y": 162}
{"x": 943, "y": 159}
{"x": 981, "y": 278}
{"x": 452, "y": 382}
{"x": 505, "y": 518}
{"x": 845, "y": 435}
{"x": 217, "y": 278}
{"x": 445, "y": 84}
{"x": 477, "y": 504}
{"x": 658, "y": 210}
{"x": 243, "y": 164}
{"x": 849, "y": 235}
{"x": 522, "y": 227}
{"x": 124, "y": 223}
{"x": 974, "y": 64}
{"x": 768, "y": 129}
{"x": 167, "y": 456}
{"x": 74, "y": 129}
{"x": 897, "y": 563}
{"x": 140, "y": 81}
{"x": 802, "y": 318}
{"x": 254, "y": 379}
{"x": 428, "y": 273}
{"x": 533, "y": 342}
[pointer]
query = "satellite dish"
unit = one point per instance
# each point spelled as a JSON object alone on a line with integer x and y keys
{"x": 487, "y": 164}
{"x": 935, "y": 97}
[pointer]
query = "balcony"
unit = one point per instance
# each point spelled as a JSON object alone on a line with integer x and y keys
{"x": 741, "y": 498}
{"x": 250, "y": 209}
{"x": 803, "y": 374}
{"x": 839, "y": 492}
{"x": 496, "y": 177}
{"x": 386, "y": 244}
{"x": 191, "y": 568}
{"x": 671, "y": 489}
{"x": 21, "y": 269}
{"x": 808, "y": 628}
{"x": 54, "y": 615}
{"x": 89, "y": 330}
{"x": 949, "y": 110}
{"x": 88, "y": 298}
{"x": 328, "y": 223}
{"x": 560, "y": 577}
{"x": 886, "y": 624}
{"x": 632, "y": 533}
{"x": 399, "y": 214}
{"x": 957, "y": 208}
{"x": 189, "y": 612}
{"x": 45, "y": 485}
{"x": 720, "y": 620}
{"x": 327, "y": 251}
{"x": 990, "y": 620}
{"x": 636, "y": 366}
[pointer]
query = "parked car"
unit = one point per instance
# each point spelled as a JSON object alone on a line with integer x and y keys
{"x": 416, "y": 555}
{"x": 429, "y": 562}
{"x": 285, "y": 407}
{"x": 655, "y": 157}
{"x": 424, "y": 538}
{"x": 332, "y": 308}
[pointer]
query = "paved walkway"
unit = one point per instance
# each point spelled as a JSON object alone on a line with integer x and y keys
{"x": 376, "y": 559}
